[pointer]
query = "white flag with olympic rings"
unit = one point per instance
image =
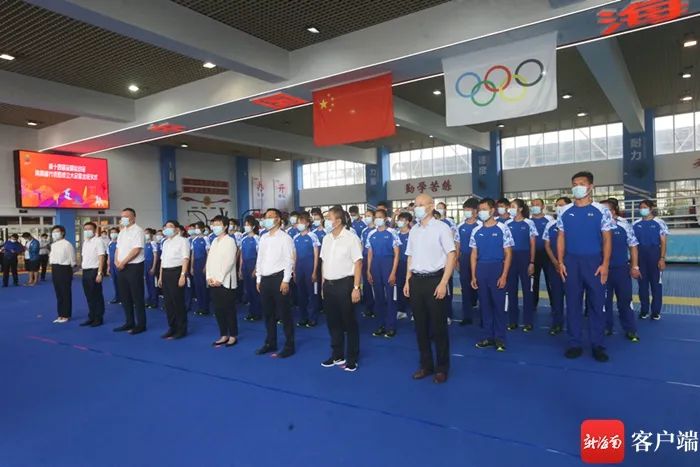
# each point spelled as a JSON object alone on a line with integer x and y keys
{"x": 502, "y": 82}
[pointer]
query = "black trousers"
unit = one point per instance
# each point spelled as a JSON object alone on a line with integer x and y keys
{"x": 541, "y": 261}
{"x": 174, "y": 300}
{"x": 131, "y": 292}
{"x": 341, "y": 319}
{"x": 430, "y": 316}
{"x": 43, "y": 265}
{"x": 223, "y": 301}
{"x": 93, "y": 295}
{"x": 9, "y": 265}
{"x": 62, "y": 279}
{"x": 275, "y": 304}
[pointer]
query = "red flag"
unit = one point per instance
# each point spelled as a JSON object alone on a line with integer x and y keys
{"x": 359, "y": 111}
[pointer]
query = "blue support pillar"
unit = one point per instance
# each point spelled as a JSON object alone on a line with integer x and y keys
{"x": 242, "y": 187}
{"x": 487, "y": 176}
{"x": 297, "y": 183}
{"x": 168, "y": 183}
{"x": 376, "y": 178}
{"x": 66, "y": 218}
{"x": 638, "y": 174}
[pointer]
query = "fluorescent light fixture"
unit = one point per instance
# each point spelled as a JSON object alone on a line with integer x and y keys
{"x": 32, "y": 123}
{"x": 501, "y": 125}
{"x": 687, "y": 98}
{"x": 431, "y": 136}
{"x": 686, "y": 75}
{"x": 397, "y": 124}
{"x": 277, "y": 159}
{"x": 690, "y": 42}
{"x": 567, "y": 95}
{"x": 437, "y": 92}
{"x": 7, "y": 57}
{"x": 313, "y": 30}
{"x": 133, "y": 88}
{"x": 582, "y": 114}
{"x": 184, "y": 145}
{"x": 208, "y": 65}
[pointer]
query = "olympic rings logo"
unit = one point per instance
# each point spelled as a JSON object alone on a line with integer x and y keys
{"x": 508, "y": 79}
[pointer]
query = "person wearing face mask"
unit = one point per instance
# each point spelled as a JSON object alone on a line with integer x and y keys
{"x": 491, "y": 257}
{"x": 623, "y": 268}
{"x": 403, "y": 224}
{"x": 159, "y": 239}
{"x": 11, "y": 249}
{"x": 540, "y": 219}
{"x": 431, "y": 253}
{"x": 367, "y": 292}
{"x": 273, "y": 270}
{"x": 104, "y": 238}
{"x": 174, "y": 264}
{"x": 384, "y": 205}
{"x": 470, "y": 222}
{"x": 113, "y": 271}
{"x": 652, "y": 233}
{"x": 44, "y": 254}
{"x": 199, "y": 250}
{"x": 31, "y": 258}
{"x": 306, "y": 269}
{"x": 382, "y": 264}
{"x": 234, "y": 231}
{"x": 442, "y": 209}
{"x": 356, "y": 222}
{"x": 522, "y": 267}
{"x": 129, "y": 263}
{"x": 584, "y": 245}
{"x": 221, "y": 279}
{"x": 502, "y": 206}
{"x": 62, "y": 260}
{"x": 151, "y": 252}
{"x": 93, "y": 256}
{"x": 246, "y": 267}
{"x": 556, "y": 285}
{"x": 293, "y": 220}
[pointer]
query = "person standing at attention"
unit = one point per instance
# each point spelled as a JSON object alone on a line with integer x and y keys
{"x": 342, "y": 253}
{"x": 367, "y": 292}
{"x": 293, "y": 220}
{"x": 431, "y": 256}
{"x": 62, "y": 260}
{"x": 403, "y": 223}
{"x": 200, "y": 248}
{"x": 382, "y": 265}
{"x": 522, "y": 267}
{"x": 502, "y": 206}
{"x": 11, "y": 249}
{"x": 130, "y": 269}
{"x": 274, "y": 269}
{"x": 584, "y": 245}
{"x": 151, "y": 251}
{"x": 550, "y": 235}
{"x": 113, "y": 271}
{"x": 174, "y": 264}
{"x": 540, "y": 220}
{"x": 31, "y": 258}
{"x": 490, "y": 260}
{"x": 306, "y": 248}
{"x": 357, "y": 225}
{"x": 465, "y": 229}
{"x": 44, "y": 254}
{"x": 651, "y": 233}
{"x": 221, "y": 279}
{"x": 94, "y": 262}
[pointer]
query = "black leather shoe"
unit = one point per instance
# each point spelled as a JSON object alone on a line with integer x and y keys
{"x": 123, "y": 328}
{"x": 168, "y": 334}
{"x": 113, "y": 302}
{"x": 96, "y": 323}
{"x": 179, "y": 335}
{"x": 138, "y": 330}
{"x": 466, "y": 321}
{"x": 265, "y": 349}
{"x": 573, "y": 352}
{"x": 285, "y": 353}
{"x": 599, "y": 354}
{"x": 86, "y": 323}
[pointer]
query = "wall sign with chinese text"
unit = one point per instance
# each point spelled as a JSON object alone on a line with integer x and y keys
{"x": 637, "y": 13}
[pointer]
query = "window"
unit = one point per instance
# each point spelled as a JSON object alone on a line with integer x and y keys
{"x": 429, "y": 162}
{"x": 677, "y": 202}
{"x": 677, "y": 133}
{"x": 332, "y": 173}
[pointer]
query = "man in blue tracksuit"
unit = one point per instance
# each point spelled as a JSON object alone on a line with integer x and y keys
{"x": 306, "y": 248}
{"x": 382, "y": 264}
{"x": 403, "y": 224}
{"x": 357, "y": 224}
{"x": 465, "y": 229}
{"x": 556, "y": 285}
{"x": 11, "y": 249}
{"x": 651, "y": 233}
{"x": 292, "y": 230}
{"x": 151, "y": 251}
{"x": 540, "y": 219}
{"x": 367, "y": 292}
{"x": 622, "y": 270}
{"x": 522, "y": 266}
{"x": 200, "y": 249}
{"x": 248, "y": 260}
{"x": 584, "y": 245}
{"x": 441, "y": 209}
{"x": 113, "y": 271}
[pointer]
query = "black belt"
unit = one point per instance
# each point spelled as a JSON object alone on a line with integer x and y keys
{"x": 425, "y": 275}
{"x": 337, "y": 281}
{"x": 277, "y": 274}
{"x": 173, "y": 268}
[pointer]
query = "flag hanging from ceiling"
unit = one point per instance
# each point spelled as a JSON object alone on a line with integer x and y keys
{"x": 502, "y": 82}
{"x": 357, "y": 111}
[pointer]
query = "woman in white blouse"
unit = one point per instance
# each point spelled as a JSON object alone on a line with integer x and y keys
{"x": 62, "y": 260}
{"x": 221, "y": 279}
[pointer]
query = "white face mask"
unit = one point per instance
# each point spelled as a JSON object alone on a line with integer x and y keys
{"x": 368, "y": 220}
{"x": 124, "y": 221}
{"x": 148, "y": 237}
{"x": 513, "y": 212}
{"x": 580, "y": 191}
{"x": 484, "y": 215}
{"x": 56, "y": 236}
{"x": 247, "y": 229}
{"x": 401, "y": 224}
{"x": 293, "y": 220}
{"x": 468, "y": 214}
{"x": 559, "y": 210}
{"x": 197, "y": 231}
{"x": 536, "y": 210}
{"x": 501, "y": 211}
{"x": 159, "y": 238}
{"x": 442, "y": 212}
{"x": 379, "y": 222}
{"x": 88, "y": 234}
{"x": 301, "y": 227}
{"x": 114, "y": 235}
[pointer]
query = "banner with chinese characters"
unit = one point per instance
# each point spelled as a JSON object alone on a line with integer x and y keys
{"x": 487, "y": 181}
{"x": 202, "y": 199}
{"x": 437, "y": 187}
{"x": 638, "y": 172}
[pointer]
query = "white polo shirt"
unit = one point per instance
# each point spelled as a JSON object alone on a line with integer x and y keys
{"x": 429, "y": 245}
{"x": 175, "y": 250}
{"x": 339, "y": 254}
{"x": 130, "y": 238}
{"x": 275, "y": 254}
{"x": 91, "y": 251}
{"x": 62, "y": 252}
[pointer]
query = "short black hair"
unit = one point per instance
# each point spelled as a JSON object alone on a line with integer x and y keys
{"x": 538, "y": 199}
{"x": 382, "y": 211}
{"x": 406, "y": 216}
{"x": 131, "y": 210}
{"x": 647, "y": 202}
{"x": 60, "y": 228}
{"x": 113, "y": 229}
{"x": 354, "y": 210}
{"x": 566, "y": 199}
{"x": 199, "y": 224}
{"x": 90, "y": 224}
{"x": 502, "y": 201}
{"x": 443, "y": 203}
{"x": 315, "y": 211}
{"x": 583, "y": 174}
{"x": 276, "y": 211}
{"x": 175, "y": 223}
{"x": 471, "y": 203}
{"x": 44, "y": 234}
{"x": 26, "y": 235}
{"x": 220, "y": 218}
{"x": 149, "y": 230}
{"x": 234, "y": 221}
{"x": 14, "y": 235}
{"x": 294, "y": 213}
{"x": 488, "y": 201}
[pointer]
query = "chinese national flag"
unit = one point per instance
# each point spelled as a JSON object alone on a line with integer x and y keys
{"x": 358, "y": 111}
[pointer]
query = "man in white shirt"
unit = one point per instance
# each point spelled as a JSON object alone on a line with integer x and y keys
{"x": 93, "y": 257}
{"x": 174, "y": 264}
{"x": 129, "y": 262}
{"x": 274, "y": 271}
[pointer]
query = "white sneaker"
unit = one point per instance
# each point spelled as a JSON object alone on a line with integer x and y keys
{"x": 57, "y": 320}
{"x": 401, "y": 315}
{"x": 61, "y": 320}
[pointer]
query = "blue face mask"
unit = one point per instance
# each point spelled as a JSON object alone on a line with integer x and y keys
{"x": 301, "y": 227}
{"x": 513, "y": 212}
{"x": 268, "y": 223}
{"x": 401, "y": 224}
{"x": 190, "y": 232}
{"x": 217, "y": 229}
{"x": 468, "y": 214}
{"x": 368, "y": 220}
{"x": 168, "y": 231}
{"x": 484, "y": 215}
{"x": 328, "y": 225}
{"x": 419, "y": 211}
{"x": 197, "y": 232}
{"x": 124, "y": 221}
{"x": 579, "y": 191}
{"x": 644, "y": 212}
{"x": 88, "y": 233}
{"x": 379, "y": 222}
{"x": 536, "y": 210}
{"x": 317, "y": 222}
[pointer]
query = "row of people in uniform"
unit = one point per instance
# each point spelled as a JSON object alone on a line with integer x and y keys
{"x": 36, "y": 258}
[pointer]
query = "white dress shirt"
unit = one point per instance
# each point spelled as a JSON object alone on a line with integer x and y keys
{"x": 339, "y": 254}
{"x": 221, "y": 261}
{"x": 62, "y": 252}
{"x": 428, "y": 246}
{"x": 44, "y": 246}
{"x": 92, "y": 250}
{"x": 275, "y": 254}
{"x": 130, "y": 238}
{"x": 175, "y": 250}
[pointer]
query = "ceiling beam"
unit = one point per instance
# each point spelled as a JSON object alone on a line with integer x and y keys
{"x": 41, "y": 94}
{"x": 606, "y": 62}
{"x": 170, "y": 26}
{"x": 252, "y": 135}
{"x": 418, "y": 119}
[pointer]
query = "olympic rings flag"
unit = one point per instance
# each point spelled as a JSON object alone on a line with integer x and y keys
{"x": 502, "y": 82}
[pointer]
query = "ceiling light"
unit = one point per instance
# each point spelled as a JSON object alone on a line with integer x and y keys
{"x": 184, "y": 145}
{"x": 277, "y": 159}
{"x": 686, "y": 75}
{"x": 431, "y": 136}
{"x": 397, "y": 124}
{"x": 581, "y": 114}
{"x": 133, "y": 88}
{"x": 567, "y": 95}
{"x": 500, "y": 125}
{"x": 7, "y": 57}
{"x": 690, "y": 42}
{"x": 437, "y": 92}
{"x": 208, "y": 65}
{"x": 687, "y": 98}
{"x": 313, "y": 30}
{"x": 32, "y": 123}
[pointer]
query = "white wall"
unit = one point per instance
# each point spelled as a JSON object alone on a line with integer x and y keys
{"x": 335, "y": 195}
{"x": 551, "y": 177}
{"x": 271, "y": 175}
{"x": 218, "y": 167}
{"x": 677, "y": 166}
